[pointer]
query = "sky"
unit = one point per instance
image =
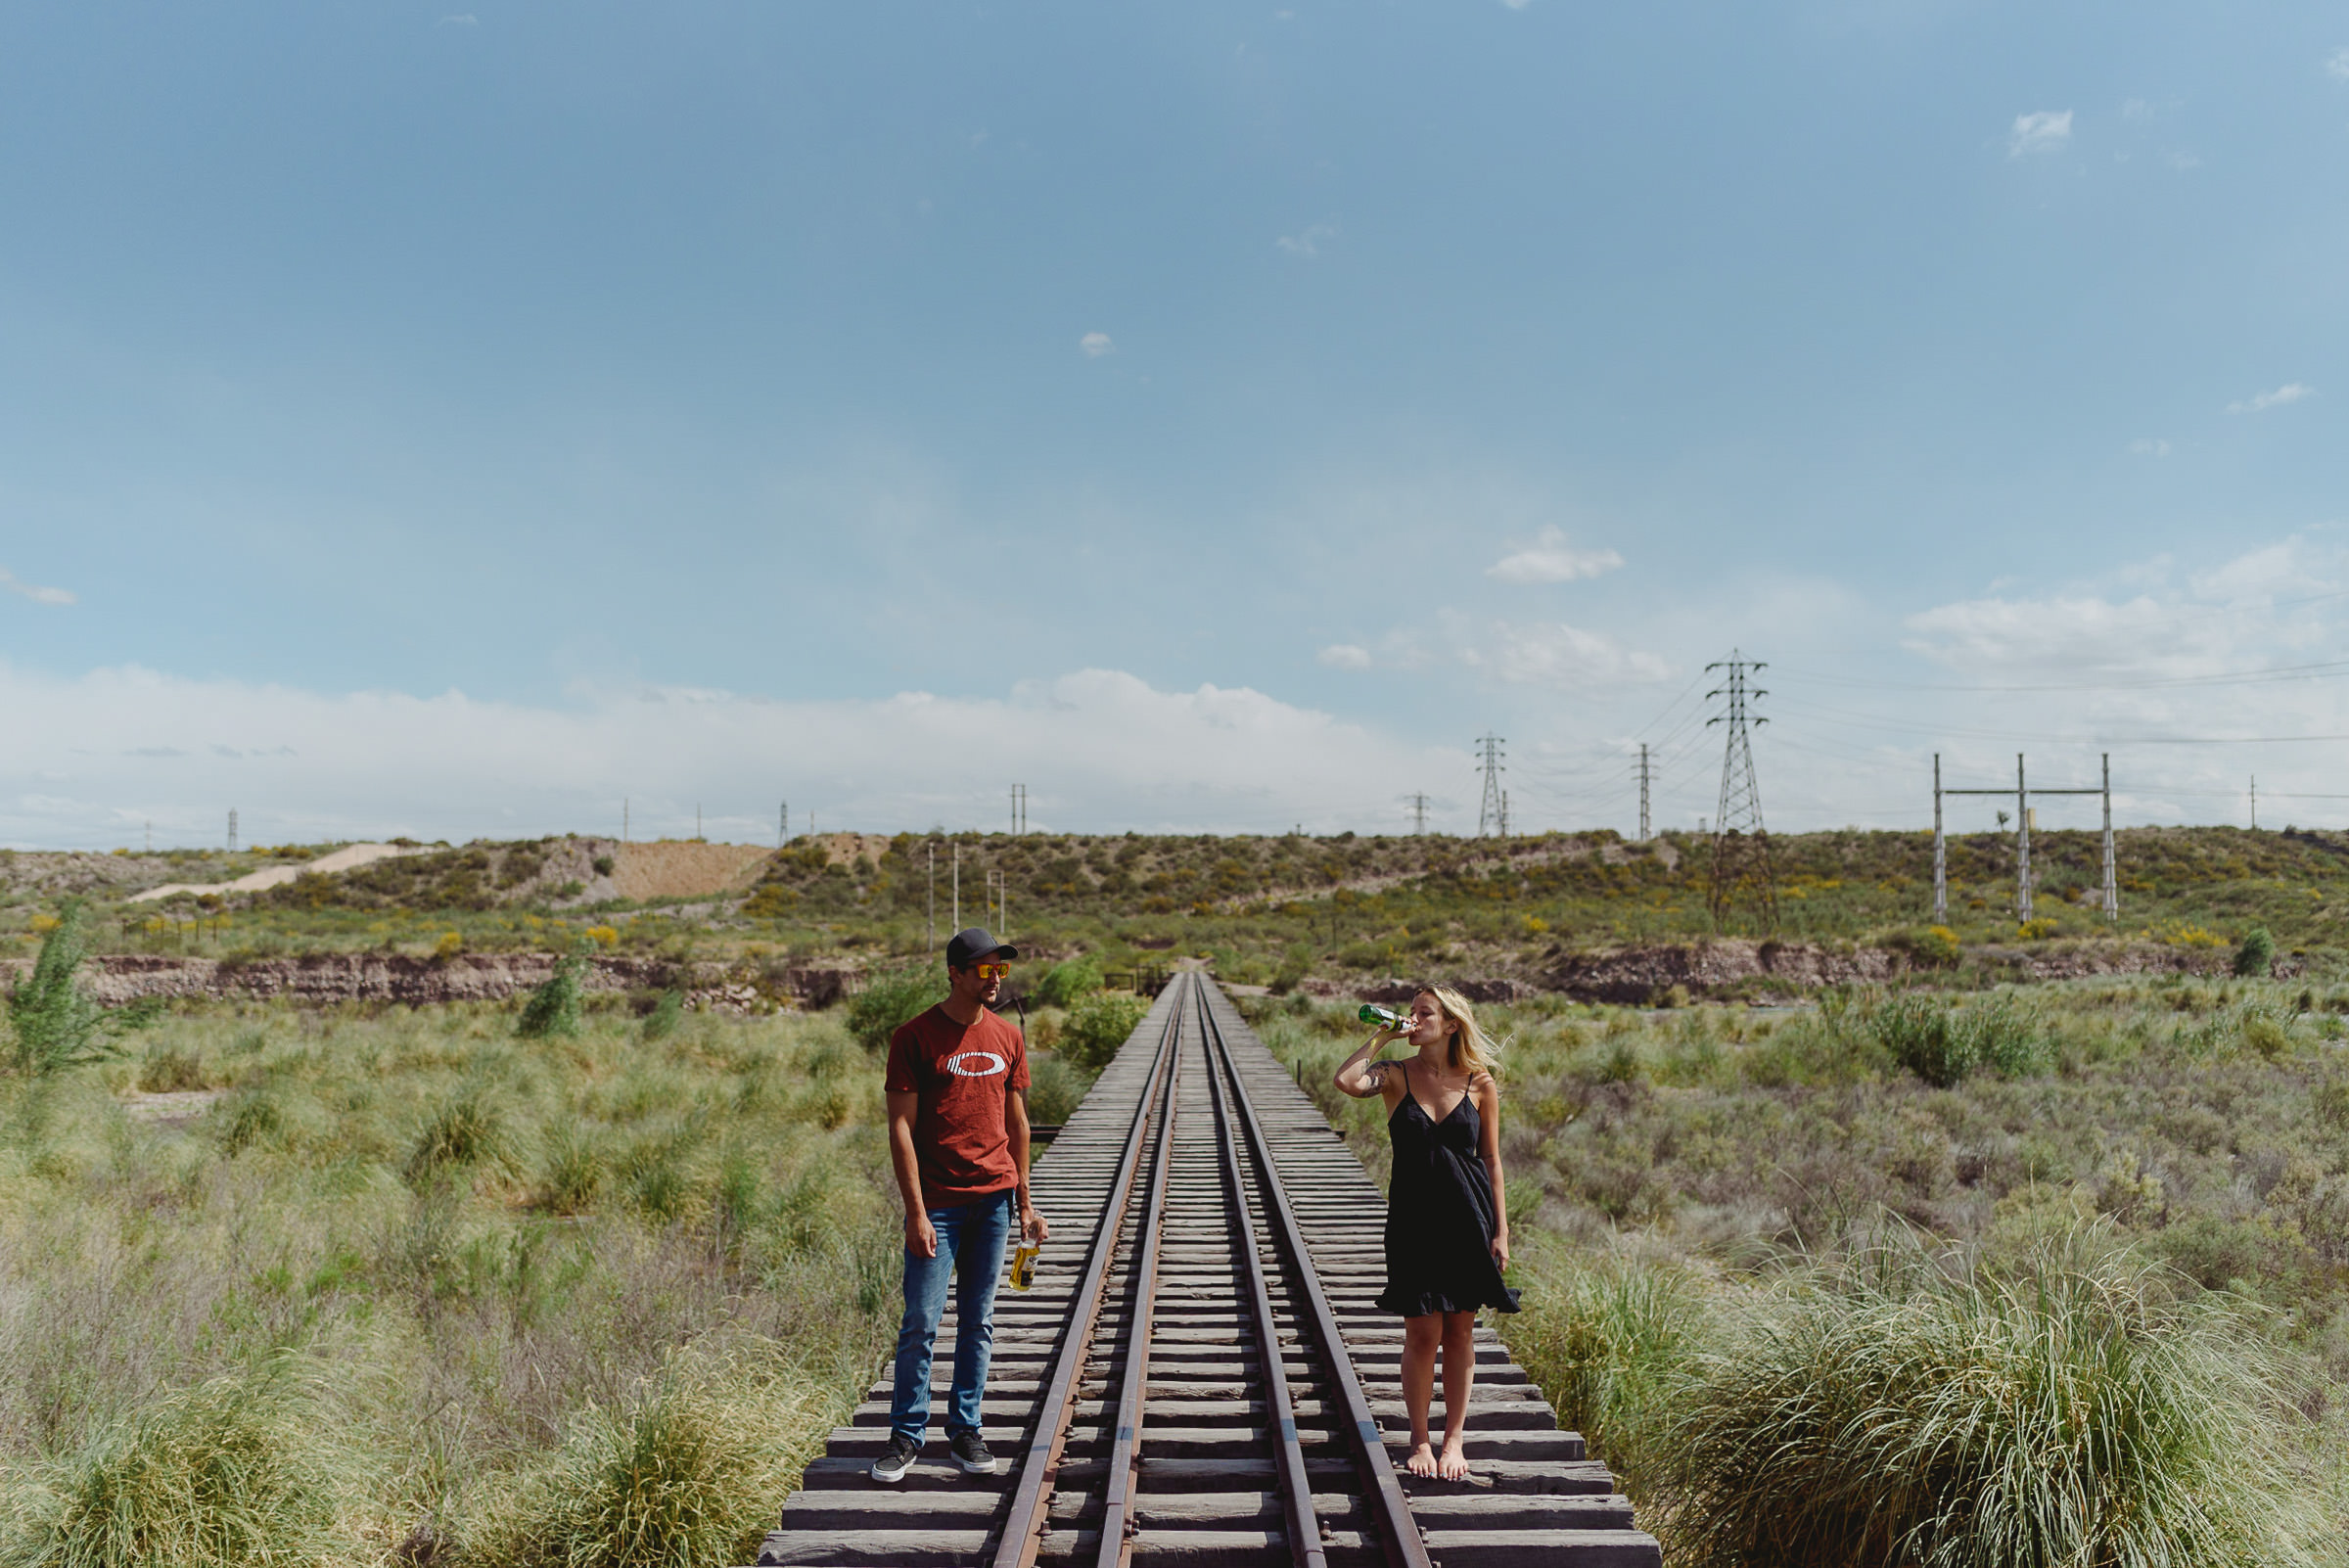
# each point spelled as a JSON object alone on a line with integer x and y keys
{"x": 1215, "y": 418}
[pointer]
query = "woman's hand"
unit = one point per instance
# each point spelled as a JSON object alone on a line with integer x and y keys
{"x": 1501, "y": 1245}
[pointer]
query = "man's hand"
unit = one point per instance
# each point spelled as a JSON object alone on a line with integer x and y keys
{"x": 921, "y": 1236}
{"x": 1033, "y": 1228}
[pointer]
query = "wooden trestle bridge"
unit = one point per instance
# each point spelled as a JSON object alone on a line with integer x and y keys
{"x": 1198, "y": 1376}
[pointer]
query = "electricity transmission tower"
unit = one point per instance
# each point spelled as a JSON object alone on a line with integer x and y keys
{"x": 1493, "y": 815}
{"x": 1741, "y": 868}
{"x": 1019, "y": 809}
{"x": 232, "y": 830}
{"x": 1643, "y": 832}
{"x": 1418, "y": 805}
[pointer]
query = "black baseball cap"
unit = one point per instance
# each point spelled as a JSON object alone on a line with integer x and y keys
{"x": 972, "y": 943}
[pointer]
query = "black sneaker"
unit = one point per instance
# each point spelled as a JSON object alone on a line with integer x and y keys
{"x": 971, "y": 1453}
{"x": 896, "y": 1460}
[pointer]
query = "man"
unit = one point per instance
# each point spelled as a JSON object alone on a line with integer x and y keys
{"x": 958, "y": 1138}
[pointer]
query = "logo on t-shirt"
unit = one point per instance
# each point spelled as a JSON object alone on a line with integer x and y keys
{"x": 988, "y": 1064}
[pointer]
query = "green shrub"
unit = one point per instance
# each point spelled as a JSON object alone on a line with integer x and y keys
{"x": 572, "y": 1173}
{"x": 1606, "y": 1341}
{"x": 1097, "y": 1026}
{"x": 2256, "y": 958}
{"x": 892, "y": 999}
{"x": 662, "y": 1022}
{"x": 221, "y": 1476}
{"x": 169, "y": 1069}
{"x": 53, "y": 1024}
{"x": 1942, "y": 1043}
{"x": 1054, "y": 1091}
{"x": 1067, "y": 982}
{"x": 1907, "y": 1411}
{"x": 553, "y": 1010}
{"x": 682, "y": 1478}
{"x": 466, "y": 1132}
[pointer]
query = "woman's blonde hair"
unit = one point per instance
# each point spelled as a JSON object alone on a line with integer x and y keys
{"x": 1469, "y": 1047}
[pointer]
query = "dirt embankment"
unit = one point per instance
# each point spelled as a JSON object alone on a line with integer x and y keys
{"x": 1738, "y": 968}
{"x": 325, "y": 979}
{"x": 684, "y": 869}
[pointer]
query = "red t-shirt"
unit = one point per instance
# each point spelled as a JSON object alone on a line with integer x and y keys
{"x": 960, "y": 1144}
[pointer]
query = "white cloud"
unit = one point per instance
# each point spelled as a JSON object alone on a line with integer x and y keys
{"x": 1553, "y": 560}
{"x": 2149, "y": 446}
{"x": 1568, "y": 658}
{"x": 2242, "y": 614}
{"x": 2047, "y": 131}
{"x": 38, "y": 595}
{"x": 1344, "y": 656}
{"x": 2336, "y": 64}
{"x": 1307, "y": 243}
{"x": 1549, "y": 654}
{"x": 2135, "y": 109}
{"x": 2289, "y": 392}
{"x": 97, "y": 754}
{"x": 1093, "y": 345}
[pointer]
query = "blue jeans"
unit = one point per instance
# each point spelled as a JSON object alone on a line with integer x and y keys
{"x": 970, "y": 1248}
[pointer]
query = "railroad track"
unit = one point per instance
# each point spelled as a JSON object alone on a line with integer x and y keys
{"x": 1208, "y": 1228}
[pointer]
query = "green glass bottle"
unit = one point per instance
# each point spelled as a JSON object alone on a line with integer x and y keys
{"x": 1384, "y": 1017}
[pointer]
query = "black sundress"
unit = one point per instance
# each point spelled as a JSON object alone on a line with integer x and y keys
{"x": 1440, "y": 1215}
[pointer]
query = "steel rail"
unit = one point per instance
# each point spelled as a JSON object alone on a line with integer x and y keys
{"x": 1032, "y": 1499}
{"x": 1304, "y": 1526}
{"x": 1125, "y": 1455}
{"x": 1399, "y": 1533}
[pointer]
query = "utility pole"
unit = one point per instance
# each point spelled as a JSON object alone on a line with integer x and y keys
{"x": 1644, "y": 832}
{"x": 2255, "y": 803}
{"x": 956, "y": 907}
{"x": 1492, "y": 815}
{"x": 1742, "y": 865}
{"x": 782, "y": 824}
{"x": 1941, "y": 856}
{"x": 623, "y": 819}
{"x": 232, "y": 830}
{"x": 931, "y": 917}
{"x": 1019, "y": 809}
{"x": 2112, "y": 888}
{"x": 150, "y": 838}
{"x": 1418, "y": 804}
{"x": 697, "y": 821}
{"x": 2023, "y": 843}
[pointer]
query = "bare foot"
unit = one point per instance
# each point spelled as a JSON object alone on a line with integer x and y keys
{"x": 1453, "y": 1466}
{"x": 1422, "y": 1461}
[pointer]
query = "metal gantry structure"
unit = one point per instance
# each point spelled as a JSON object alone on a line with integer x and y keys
{"x": 2022, "y": 793}
{"x": 1742, "y": 872}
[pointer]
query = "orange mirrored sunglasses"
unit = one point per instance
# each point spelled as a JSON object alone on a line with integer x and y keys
{"x": 992, "y": 971}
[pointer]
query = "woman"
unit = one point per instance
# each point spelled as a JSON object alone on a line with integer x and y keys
{"x": 1447, "y": 1235}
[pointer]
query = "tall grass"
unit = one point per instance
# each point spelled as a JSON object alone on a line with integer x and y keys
{"x": 469, "y": 1265}
{"x": 682, "y": 1474}
{"x": 232, "y": 1471}
{"x": 1904, "y": 1408}
{"x": 1609, "y": 1341}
